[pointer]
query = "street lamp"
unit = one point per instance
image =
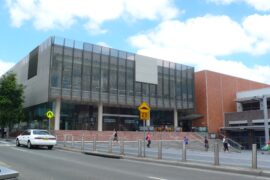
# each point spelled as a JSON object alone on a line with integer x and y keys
{"x": 265, "y": 112}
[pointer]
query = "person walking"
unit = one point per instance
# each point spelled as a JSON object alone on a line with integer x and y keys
{"x": 206, "y": 144}
{"x": 225, "y": 144}
{"x": 148, "y": 138}
{"x": 115, "y": 136}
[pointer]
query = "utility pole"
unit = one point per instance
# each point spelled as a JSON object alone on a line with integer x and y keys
{"x": 265, "y": 112}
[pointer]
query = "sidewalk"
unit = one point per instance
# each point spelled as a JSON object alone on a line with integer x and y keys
{"x": 197, "y": 165}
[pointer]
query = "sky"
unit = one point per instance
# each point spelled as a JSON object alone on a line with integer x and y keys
{"x": 226, "y": 36}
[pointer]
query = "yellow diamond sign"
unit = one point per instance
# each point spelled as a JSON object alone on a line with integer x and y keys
{"x": 144, "y": 111}
{"x": 50, "y": 114}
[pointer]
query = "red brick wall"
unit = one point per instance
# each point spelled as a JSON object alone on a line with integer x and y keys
{"x": 216, "y": 94}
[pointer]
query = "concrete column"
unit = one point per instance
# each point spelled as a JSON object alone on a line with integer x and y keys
{"x": 57, "y": 113}
{"x": 100, "y": 115}
{"x": 175, "y": 118}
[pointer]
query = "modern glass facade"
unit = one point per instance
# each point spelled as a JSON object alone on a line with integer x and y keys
{"x": 90, "y": 73}
{"x": 82, "y": 76}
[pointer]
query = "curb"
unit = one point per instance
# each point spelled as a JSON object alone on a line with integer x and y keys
{"x": 230, "y": 169}
{"x": 6, "y": 173}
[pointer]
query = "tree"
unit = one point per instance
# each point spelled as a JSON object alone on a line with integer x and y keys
{"x": 11, "y": 101}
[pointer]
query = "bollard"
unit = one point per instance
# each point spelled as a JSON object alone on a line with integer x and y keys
{"x": 65, "y": 140}
{"x": 72, "y": 141}
{"x": 122, "y": 150}
{"x": 110, "y": 146}
{"x": 254, "y": 156}
{"x": 94, "y": 145}
{"x": 184, "y": 152}
{"x": 216, "y": 154}
{"x": 159, "y": 149}
{"x": 139, "y": 148}
{"x": 82, "y": 144}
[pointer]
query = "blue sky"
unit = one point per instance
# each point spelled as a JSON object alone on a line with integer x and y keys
{"x": 226, "y": 36}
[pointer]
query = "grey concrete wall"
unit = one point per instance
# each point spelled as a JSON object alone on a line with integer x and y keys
{"x": 36, "y": 88}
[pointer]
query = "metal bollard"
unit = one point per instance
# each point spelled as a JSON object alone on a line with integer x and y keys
{"x": 184, "y": 152}
{"x": 94, "y": 144}
{"x": 254, "y": 156}
{"x": 216, "y": 154}
{"x": 82, "y": 144}
{"x": 139, "y": 148}
{"x": 110, "y": 146}
{"x": 65, "y": 140}
{"x": 122, "y": 150}
{"x": 72, "y": 140}
{"x": 159, "y": 149}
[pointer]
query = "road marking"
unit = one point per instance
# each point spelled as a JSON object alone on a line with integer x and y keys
{"x": 151, "y": 177}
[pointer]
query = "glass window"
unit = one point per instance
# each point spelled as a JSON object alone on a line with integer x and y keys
{"x": 166, "y": 82}
{"x": 104, "y": 73}
{"x": 96, "y": 73}
{"x": 121, "y": 77}
{"x": 178, "y": 89}
{"x": 77, "y": 64}
{"x": 113, "y": 75}
{"x": 138, "y": 88}
{"x": 86, "y": 71}
{"x": 56, "y": 66}
{"x": 33, "y": 63}
{"x": 67, "y": 67}
{"x": 160, "y": 82}
{"x": 152, "y": 90}
{"x": 172, "y": 81}
{"x": 130, "y": 78}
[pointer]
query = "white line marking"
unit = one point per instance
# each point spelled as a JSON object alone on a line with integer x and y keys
{"x": 151, "y": 177}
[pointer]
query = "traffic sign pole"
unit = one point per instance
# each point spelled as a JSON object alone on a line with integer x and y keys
{"x": 144, "y": 138}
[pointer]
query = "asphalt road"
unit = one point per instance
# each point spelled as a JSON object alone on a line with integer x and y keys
{"x": 43, "y": 164}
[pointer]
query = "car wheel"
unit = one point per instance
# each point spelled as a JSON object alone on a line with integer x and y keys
{"x": 17, "y": 142}
{"x": 29, "y": 145}
{"x": 50, "y": 147}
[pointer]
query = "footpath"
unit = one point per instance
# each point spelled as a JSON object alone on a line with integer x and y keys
{"x": 198, "y": 165}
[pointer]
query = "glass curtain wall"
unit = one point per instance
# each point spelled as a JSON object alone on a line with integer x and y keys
{"x": 87, "y": 73}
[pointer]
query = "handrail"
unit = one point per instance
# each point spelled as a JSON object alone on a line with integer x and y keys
{"x": 233, "y": 143}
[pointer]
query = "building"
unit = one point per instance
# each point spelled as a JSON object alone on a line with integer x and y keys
{"x": 246, "y": 126}
{"x": 215, "y": 96}
{"x": 90, "y": 87}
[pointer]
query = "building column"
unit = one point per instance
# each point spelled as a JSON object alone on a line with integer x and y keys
{"x": 175, "y": 118}
{"x": 57, "y": 113}
{"x": 100, "y": 116}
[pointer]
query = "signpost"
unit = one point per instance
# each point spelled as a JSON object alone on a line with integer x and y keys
{"x": 49, "y": 115}
{"x": 144, "y": 116}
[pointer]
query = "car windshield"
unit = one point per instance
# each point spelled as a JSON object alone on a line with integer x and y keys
{"x": 36, "y": 132}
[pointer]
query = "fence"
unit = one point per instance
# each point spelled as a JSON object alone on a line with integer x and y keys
{"x": 173, "y": 150}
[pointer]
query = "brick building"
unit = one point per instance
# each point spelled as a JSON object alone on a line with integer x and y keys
{"x": 215, "y": 94}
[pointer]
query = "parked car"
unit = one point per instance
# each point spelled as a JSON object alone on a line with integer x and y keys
{"x": 36, "y": 137}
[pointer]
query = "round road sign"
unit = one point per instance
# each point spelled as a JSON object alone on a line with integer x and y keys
{"x": 50, "y": 114}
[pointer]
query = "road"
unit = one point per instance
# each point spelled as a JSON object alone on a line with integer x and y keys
{"x": 43, "y": 164}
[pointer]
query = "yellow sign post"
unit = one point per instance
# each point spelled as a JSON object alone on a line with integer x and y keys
{"x": 144, "y": 115}
{"x": 49, "y": 115}
{"x": 144, "y": 111}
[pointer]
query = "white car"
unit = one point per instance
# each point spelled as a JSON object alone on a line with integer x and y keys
{"x": 36, "y": 137}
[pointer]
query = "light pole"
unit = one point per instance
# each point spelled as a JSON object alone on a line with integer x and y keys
{"x": 265, "y": 112}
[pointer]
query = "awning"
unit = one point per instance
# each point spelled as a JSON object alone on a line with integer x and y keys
{"x": 191, "y": 117}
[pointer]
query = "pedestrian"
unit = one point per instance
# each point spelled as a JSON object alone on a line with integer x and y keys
{"x": 225, "y": 144}
{"x": 186, "y": 140}
{"x": 206, "y": 144}
{"x": 115, "y": 136}
{"x": 148, "y": 138}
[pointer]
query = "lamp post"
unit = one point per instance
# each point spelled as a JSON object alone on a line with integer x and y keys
{"x": 265, "y": 112}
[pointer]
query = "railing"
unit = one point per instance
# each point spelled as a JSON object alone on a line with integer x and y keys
{"x": 233, "y": 144}
{"x": 173, "y": 150}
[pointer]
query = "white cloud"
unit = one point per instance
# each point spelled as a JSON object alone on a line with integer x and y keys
{"x": 199, "y": 41}
{"x": 49, "y": 14}
{"x": 5, "y": 66}
{"x": 260, "y": 5}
